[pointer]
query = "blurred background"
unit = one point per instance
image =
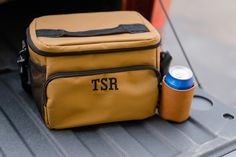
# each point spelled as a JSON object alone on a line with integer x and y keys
{"x": 205, "y": 28}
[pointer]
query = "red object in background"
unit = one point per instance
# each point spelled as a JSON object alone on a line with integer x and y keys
{"x": 150, "y": 9}
{"x": 158, "y": 18}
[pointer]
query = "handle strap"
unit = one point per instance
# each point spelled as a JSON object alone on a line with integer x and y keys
{"x": 123, "y": 28}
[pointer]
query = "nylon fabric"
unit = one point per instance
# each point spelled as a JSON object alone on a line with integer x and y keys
{"x": 73, "y": 101}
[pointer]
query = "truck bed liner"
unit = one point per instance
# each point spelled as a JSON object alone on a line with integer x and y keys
{"x": 23, "y": 133}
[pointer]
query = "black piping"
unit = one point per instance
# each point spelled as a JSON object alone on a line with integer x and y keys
{"x": 97, "y": 72}
{"x": 48, "y": 54}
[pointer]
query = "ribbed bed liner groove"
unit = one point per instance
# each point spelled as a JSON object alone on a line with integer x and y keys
{"x": 17, "y": 132}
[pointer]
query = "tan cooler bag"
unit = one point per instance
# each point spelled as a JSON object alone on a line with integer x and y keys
{"x": 92, "y": 68}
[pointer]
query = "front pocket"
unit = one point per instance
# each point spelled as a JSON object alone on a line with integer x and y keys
{"x": 99, "y": 96}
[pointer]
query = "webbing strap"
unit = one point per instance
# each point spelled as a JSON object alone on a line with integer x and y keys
{"x": 123, "y": 28}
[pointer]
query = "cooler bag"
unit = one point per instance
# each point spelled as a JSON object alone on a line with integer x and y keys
{"x": 92, "y": 68}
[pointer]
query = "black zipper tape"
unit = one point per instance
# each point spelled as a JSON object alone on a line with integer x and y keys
{"x": 97, "y": 72}
{"x": 49, "y": 54}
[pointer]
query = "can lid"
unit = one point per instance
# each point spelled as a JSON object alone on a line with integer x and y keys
{"x": 180, "y": 72}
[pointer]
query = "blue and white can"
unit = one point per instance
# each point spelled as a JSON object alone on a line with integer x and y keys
{"x": 179, "y": 77}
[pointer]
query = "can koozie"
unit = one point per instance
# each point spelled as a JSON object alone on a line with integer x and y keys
{"x": 175, "y": 104}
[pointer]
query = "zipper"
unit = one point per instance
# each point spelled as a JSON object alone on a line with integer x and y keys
{"x": 48, "y": 54}
{"x": 97, "y": 72}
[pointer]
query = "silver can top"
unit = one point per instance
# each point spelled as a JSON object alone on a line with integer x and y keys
{"x": 180, "y": 72}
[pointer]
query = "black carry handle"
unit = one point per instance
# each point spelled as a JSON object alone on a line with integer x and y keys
{"x": 122, "y": 28}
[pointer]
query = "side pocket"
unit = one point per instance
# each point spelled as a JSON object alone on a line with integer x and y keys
{"x": 38, "y": 77}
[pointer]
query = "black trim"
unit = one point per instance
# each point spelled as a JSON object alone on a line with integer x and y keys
{"x": 50, "y": 54}
{"x": 122, "y": 28}
{"x": 96, "y": 72}
{"x": 39, "y": 67}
